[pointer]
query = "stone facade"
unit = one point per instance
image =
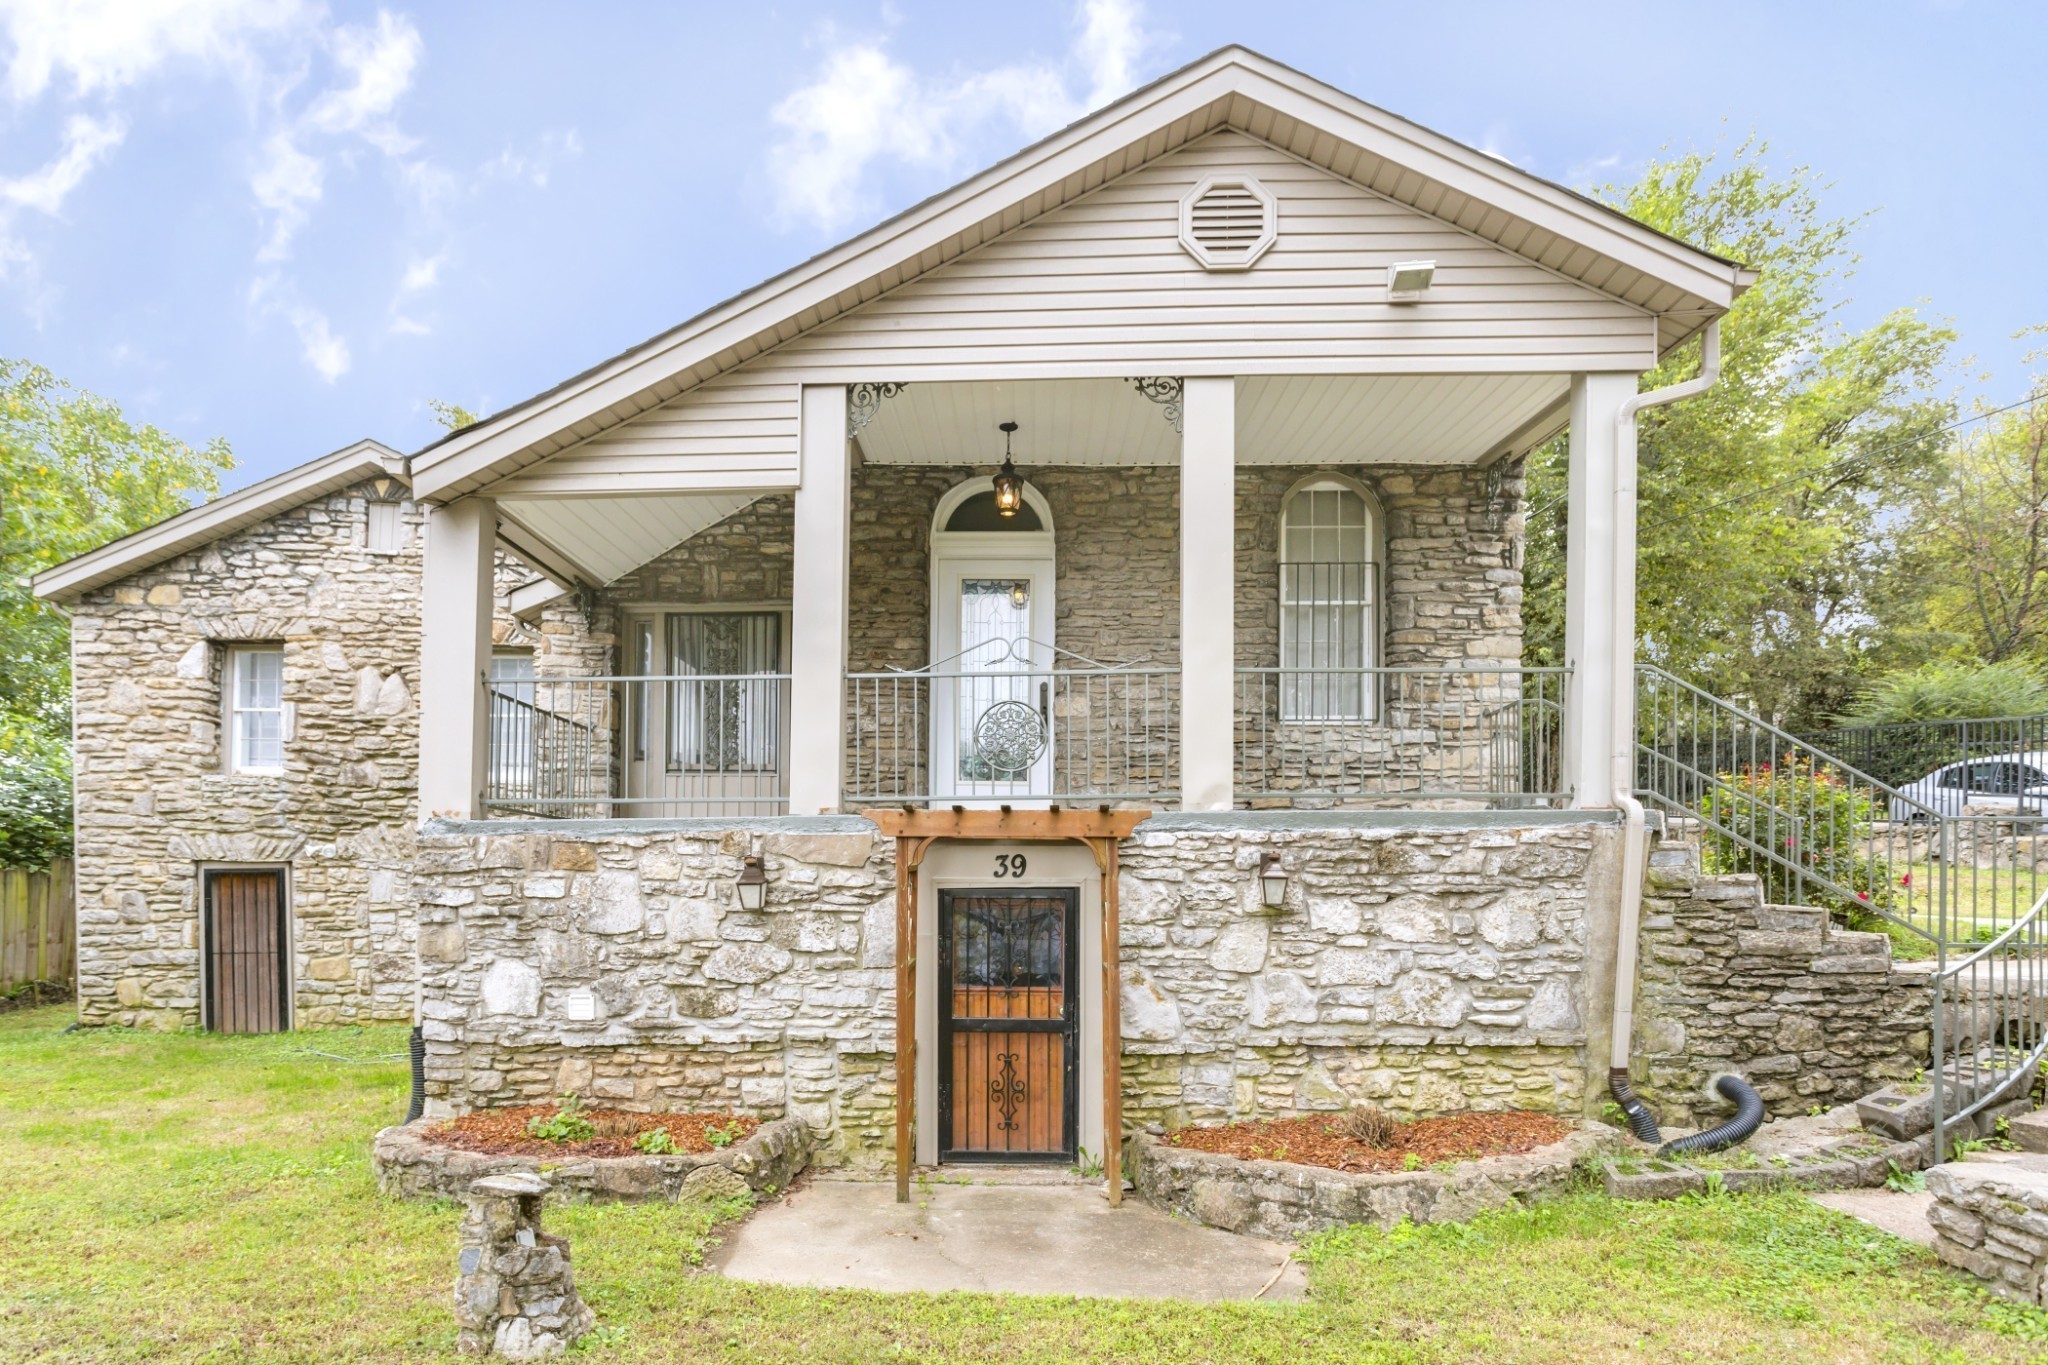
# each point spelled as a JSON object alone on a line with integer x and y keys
{"x": 1809, "y": 1014}
{"x": 156, "y": 802}
{"x": 1426, "y": 968}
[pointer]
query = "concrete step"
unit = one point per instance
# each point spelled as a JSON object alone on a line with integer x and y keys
{"x": 2029, "y": 1132}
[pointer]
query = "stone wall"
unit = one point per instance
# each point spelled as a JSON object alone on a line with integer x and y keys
{"x": 1424, "y": 968}
{"x": 1809, "y": 1014}
{"x": 156, "y": 803}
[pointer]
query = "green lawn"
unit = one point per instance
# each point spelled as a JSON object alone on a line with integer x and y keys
{"x": 193, "y": 1198}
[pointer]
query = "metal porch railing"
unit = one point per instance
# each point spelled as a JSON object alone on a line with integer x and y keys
{"x": 1463, "y": 733}
{"x": 1963, "y": 889}
{"x": 642, "y": 746}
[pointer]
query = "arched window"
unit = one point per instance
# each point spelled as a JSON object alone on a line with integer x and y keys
{"x": 1330, "y": 537}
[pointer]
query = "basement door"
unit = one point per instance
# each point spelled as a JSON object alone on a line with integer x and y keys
{"x": 1009, "y": 1029}
{"x": 248, "y": 946}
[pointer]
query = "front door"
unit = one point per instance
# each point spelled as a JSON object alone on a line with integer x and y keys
{"x": 1009, "y": 1045}
{"x": 992, "y": 682}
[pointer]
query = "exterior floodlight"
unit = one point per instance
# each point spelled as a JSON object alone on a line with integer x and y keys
{"x": 1009, "y": 484}
{"x": 1272, "y": 880}
{"x": 1407, "y": 280}
{"x": 753, "y": 884}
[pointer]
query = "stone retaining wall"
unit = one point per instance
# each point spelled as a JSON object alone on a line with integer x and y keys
{"x": 1809, "y": 1014}
{"x": 411, "y": 1164}
{"x": 1282, "y": 1200}
{"x": 1991, "y": 1219}
{"x": 1427, "y": 967}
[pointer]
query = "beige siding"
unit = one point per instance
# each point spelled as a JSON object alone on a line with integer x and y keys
{"x": 737, "y": 433}
{"x": 1104, "y": 284}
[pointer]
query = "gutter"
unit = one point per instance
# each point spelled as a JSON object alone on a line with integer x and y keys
{"x": 1634, "y": 838}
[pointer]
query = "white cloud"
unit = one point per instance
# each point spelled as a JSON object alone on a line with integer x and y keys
{"x": 420, "y": 275}
{"x": 864, "y": 106}
{"x": 323, "y": 350}
{"x": 286, "y": 185}
{"x": 380, "y": 64}
{"x": 87, "y": 140}
{"x": 99, "y": 47}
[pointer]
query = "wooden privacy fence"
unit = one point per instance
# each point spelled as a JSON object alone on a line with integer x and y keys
{"x": 37, "y": 923}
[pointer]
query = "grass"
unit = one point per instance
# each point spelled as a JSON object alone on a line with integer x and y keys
{"x": 180, "y": 1197}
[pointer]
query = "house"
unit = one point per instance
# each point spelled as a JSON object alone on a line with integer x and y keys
{"x": 1047, "y": 664}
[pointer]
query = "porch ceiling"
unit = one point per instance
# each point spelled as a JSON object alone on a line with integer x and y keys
{"x": 610, "y": 537}
{"x": 1304, "y": 419}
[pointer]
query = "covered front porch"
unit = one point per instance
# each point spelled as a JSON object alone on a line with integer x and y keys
{"x": 885, "y": 633}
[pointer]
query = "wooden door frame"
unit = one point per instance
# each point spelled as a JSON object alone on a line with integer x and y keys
{"x": 915, "y": 830}
{"x": 1069, "y": 1031}
{"x": 287, "y": 945}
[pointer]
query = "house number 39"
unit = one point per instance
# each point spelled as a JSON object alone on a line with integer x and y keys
{"x": 1009, "y": 864}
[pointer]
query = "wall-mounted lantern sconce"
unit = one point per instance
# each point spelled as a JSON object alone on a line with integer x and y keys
{"x": 1272, "y": 880}
{"x": 753, "y": 884}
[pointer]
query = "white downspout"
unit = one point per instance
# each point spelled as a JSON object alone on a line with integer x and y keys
{"x": 1622, "y": 758}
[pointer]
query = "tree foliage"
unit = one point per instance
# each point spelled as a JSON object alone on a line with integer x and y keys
{"x": 74, "y": 474}
{"x": 1763, "y": 501}
{"x": 1946, "y": 689}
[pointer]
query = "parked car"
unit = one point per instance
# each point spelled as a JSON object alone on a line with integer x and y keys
{"x": 2003, "y": 782}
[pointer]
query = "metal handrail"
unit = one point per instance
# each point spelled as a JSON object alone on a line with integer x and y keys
{"x": 2001, "y": 990}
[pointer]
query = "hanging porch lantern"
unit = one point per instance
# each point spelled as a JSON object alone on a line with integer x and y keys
{"x": 1009, "y": 484}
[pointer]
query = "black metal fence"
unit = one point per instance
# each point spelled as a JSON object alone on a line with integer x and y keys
{"x": 1906, "y": 752}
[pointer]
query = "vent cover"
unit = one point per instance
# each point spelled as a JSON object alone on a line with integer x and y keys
{"x": 1228, "y": 221}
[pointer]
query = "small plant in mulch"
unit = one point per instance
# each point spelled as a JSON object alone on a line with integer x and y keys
{"x": 32, "y": 994}
{"x": 1343, "y": 1143}
{"x": 569, "y": 1129}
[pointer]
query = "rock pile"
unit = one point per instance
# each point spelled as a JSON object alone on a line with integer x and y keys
{"x": 515, "y": 1295}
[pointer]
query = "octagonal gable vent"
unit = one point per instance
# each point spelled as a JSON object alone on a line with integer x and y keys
{"x": 1228, "y": 221}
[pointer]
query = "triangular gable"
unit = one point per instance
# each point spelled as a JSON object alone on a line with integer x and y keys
{"x": 1544, "y": 223}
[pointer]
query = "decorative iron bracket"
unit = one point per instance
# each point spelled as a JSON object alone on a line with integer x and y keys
{"x": 1167, "y": 393}
{"x": 864, "y": 400}
{"x": 1498, "y": 502}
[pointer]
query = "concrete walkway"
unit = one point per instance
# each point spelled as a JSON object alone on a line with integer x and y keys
{"x": 1901, "y": 1213}
{"x": 1016, "y": 1239}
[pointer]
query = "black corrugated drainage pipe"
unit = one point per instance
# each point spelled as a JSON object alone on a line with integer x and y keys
{"x": 1642, "y": 1124}
{"x": 417, "y": 1045}
{"x": 1749, "y": 1116}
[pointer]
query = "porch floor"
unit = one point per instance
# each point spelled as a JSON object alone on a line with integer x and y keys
{"x": 1043, "y": 1237}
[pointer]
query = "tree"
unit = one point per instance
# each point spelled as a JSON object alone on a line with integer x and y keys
{"x": 1972, "y": 553}
{"x": 74, "y": 474}
{"x": 453, "y": 416}
{"x": 1948, "y": 690}
{"x": 1762, "y": 501}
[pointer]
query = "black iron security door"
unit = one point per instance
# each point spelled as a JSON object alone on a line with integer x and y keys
{"x": 1009, "y": 1030}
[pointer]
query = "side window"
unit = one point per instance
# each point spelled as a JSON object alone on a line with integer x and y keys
{"x": 1955, "y": 778}
{"x": 1329, "y": 603}
{"x": 256, "y": 709}
{"x": 1995, "y": 779}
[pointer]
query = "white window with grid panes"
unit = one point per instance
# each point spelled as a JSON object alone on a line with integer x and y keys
{"x": 1329, "y": 603}
{"x": 257, "y": 714}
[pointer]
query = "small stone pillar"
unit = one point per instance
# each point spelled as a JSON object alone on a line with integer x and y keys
{"x": 514, "y": 1292}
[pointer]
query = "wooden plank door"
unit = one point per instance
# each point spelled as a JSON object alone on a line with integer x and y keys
{"x": 247, "y": 945}
{"x": 1008, "y": 1049}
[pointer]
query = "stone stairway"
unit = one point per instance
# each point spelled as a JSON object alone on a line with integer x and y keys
{"x": 1812, "y": 1014}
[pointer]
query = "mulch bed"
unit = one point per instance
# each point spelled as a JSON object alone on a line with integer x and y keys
{"x": 32, "y": 994}
{"x": 502, "y": 1132}
{"x": 1317, "y": 1142}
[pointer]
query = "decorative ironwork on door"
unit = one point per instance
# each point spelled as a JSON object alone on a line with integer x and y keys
{"x": 1009, "y": 1047}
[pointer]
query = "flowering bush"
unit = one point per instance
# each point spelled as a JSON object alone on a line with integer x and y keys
{"x": 1792, "y": 825}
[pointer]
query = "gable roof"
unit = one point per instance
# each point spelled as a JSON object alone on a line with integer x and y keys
{"x": 1567, "y": 232}
{"x": 209, "y": 521}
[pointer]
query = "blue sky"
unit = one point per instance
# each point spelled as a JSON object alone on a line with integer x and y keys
{"x": 293, "y": 224}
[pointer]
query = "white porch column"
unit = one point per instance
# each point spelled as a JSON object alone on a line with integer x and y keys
{"x": 818, "y": 606}
{"x": 1208, "y": 592}
{"x": 1599, "y": 600}
{"x": 455, "y": 654}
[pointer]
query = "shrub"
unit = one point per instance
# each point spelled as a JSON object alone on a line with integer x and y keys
{"x": 567, "y": 1124}
{"x": 656, "y": 1142}
{"x": 1950, "y": 691}
{"x": 1780, "y": 820}
{"x": 35, "y": 800}
{"x": 1369, "y": 1124}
